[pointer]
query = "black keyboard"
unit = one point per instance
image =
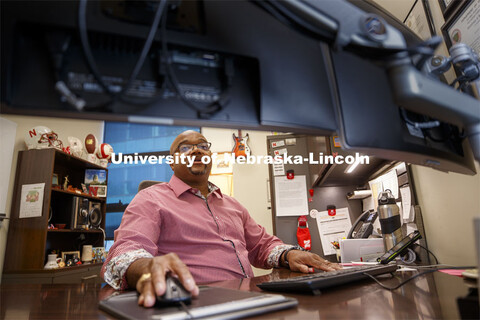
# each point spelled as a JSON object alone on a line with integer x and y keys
{"x": 313, "y": 283}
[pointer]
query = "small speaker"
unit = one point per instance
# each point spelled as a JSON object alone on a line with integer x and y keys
{"x": 95, "y": 214}
{"x": 80, "y": 213}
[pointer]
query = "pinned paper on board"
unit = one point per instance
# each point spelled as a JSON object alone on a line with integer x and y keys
{"x": 332, "y": 228}
{"x": 280, "y": 152}
{"x": 278, "y": 169}
{"x": 406, "y": 204}
{"x": 278, "y": 143}
{"x": 291, "y": 196}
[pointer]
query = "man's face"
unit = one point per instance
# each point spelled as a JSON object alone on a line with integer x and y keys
{"x": 198, "y": 171}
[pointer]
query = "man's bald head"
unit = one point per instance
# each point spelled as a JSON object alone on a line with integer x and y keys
{"x": 184, "y": 137}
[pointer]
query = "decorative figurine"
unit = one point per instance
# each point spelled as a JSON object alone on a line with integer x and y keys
{"x": 65, "y": 183}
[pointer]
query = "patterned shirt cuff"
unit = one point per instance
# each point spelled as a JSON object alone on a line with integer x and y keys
{"x": 116, "y": 268}
{"x": 273, "y": 260}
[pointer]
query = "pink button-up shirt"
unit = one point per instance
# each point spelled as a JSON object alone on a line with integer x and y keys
{"x": 215, "y": 237}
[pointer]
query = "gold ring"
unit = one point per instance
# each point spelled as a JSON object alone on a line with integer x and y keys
{"x": 145, "y": 277}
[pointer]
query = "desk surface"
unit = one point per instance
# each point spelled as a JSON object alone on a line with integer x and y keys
{"x": 429, "y": 296}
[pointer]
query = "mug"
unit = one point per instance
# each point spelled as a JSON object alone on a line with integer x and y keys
{"x": 52, "y": 262}
{"x": 87, "y": 253}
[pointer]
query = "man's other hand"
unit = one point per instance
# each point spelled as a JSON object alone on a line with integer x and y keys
{"x": 304, "y": 261}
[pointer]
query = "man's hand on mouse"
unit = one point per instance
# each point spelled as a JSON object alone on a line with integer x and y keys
{"x": 150, "y": 277}
{"x": 305, "y": 262}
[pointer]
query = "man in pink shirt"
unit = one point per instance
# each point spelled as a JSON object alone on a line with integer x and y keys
{"x": 189, "y": 228}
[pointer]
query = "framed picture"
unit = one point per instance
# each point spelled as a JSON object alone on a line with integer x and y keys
{"x": 70, "y": 255}
{"x": 97, "y": 191}
{"x": 420, "y": 20}
{"x": 55, "y": 179}
{"x": 95, "y": 177}
{"x": 99, "y": 254}
{"x": 222, "y": 165}
{"x": 448, "y": 6}
{"x": 463, "y": 26}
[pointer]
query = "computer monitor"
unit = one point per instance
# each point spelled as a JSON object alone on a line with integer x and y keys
{"x": 276, "y": 78}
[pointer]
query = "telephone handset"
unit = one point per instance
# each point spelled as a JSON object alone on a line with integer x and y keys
{"x": 363, "y": 226}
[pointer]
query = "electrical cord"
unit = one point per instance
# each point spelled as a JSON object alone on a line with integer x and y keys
{"x": 82, "y": 26}
{"x": 104, "y": 236}
{"x": 436, "y": 260}
{"x": 418, "y": 125}
{"x": 413, "y": 277}
{"x": 185, "y": 309}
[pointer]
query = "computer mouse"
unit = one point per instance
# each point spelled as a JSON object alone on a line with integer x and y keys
{"x": 174, "y": 293}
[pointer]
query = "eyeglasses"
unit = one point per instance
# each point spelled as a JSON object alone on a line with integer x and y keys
{"x": 185, "y": 148}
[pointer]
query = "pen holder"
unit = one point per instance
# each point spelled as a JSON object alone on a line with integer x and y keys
{"x": 337, "y": 252}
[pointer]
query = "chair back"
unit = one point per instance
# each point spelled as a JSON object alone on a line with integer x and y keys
{"x": 147, "y": 183}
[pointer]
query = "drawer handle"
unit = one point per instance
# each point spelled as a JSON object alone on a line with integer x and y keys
{"x": 89, "y": 277}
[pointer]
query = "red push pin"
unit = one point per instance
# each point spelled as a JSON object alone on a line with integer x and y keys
{"x": 311, "y": 195}
{"x": 332, "y": 210}
{"x": 290, "y": 174}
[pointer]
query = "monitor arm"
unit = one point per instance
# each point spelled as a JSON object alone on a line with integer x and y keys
{"x": 346, "y": 27}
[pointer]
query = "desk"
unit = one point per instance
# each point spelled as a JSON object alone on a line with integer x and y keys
{"x": 430, "y": 296}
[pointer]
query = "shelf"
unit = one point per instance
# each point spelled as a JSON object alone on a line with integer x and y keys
{"x": 359, "y": 194}
{"x": 83, "y": 195}
{"x": 72, "y": 160}
{"x": 58, "y": 270}
{"x": 75, "y": 230}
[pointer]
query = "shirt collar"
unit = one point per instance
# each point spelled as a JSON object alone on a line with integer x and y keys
{"x": 179, "y": 187}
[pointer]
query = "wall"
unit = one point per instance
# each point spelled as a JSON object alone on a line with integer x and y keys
{"x": 64, "y": 128}
{"x": 449, "y": 203}
{"x": 399, "y": 8}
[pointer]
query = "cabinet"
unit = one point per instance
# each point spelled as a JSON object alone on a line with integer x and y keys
{"x": 29, "y": 239}
{"x": 333, "y": 174}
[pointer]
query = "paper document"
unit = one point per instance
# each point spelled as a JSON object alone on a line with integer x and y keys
{"x": 377, "y": 187}
{"x": 291, "y": 196}
{"x": 333, "y": 228}
{"x": 406, "y": 204}
{"x": 31, "y": 201}
{"x": 390, "y": 181}
{"x": 278, "y": 169}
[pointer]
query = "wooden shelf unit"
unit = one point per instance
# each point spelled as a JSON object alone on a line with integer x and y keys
{"x": 29, "y": 239}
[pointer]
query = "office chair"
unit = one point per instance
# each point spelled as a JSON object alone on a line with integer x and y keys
{"x": 147, "y": 183}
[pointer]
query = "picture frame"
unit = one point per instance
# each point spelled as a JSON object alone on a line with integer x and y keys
{"x": 99, "y": 254}
{"x": 70, "y": 255}
{"x": 419, "y": 19}
{"x": 221, "y": 165}
{"x": 448, "y": 7}
{"x": 457, "y": 29}
{"x": 97, "y": 191}
{"x": 95, "y": 177}
{"x": 55, "y": 179}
